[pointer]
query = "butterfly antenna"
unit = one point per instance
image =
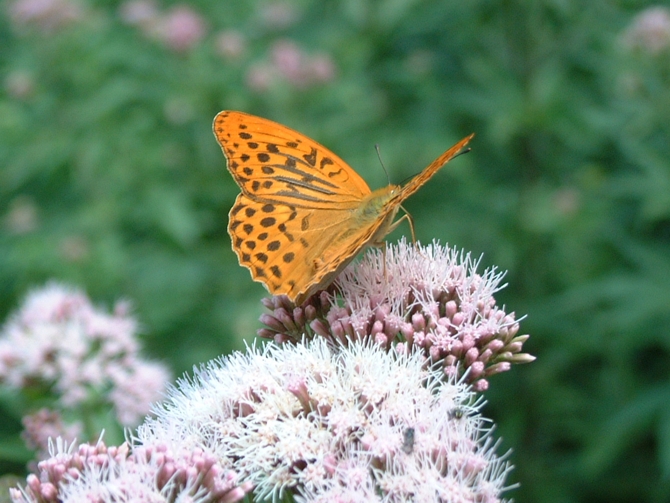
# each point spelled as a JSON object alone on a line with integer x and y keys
{"x": 462, "y": 152}
{"x": 379, "y": 156}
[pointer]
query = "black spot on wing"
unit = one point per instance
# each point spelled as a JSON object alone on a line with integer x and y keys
{"x": 311, "y": 157}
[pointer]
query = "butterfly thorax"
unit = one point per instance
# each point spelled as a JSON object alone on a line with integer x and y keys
{"x": 375, "y": 207}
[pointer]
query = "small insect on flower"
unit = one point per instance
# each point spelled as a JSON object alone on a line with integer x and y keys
{"x": 456, "y": 413}
{"x": 408, "y": 442}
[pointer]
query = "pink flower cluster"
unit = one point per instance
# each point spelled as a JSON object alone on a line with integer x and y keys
{"x": 181, "y": 28}
{"x": 411, "y": 297}
{"x": 649, "y": 30}
{"x": 289, "y": 63}
{"x": 59, "y": 344}
{"x": 45, "y": 15}
{"x": 39, "y": 427}
{"x": 148, "y": 473}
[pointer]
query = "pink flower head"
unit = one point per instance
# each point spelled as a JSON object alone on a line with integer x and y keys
{"x": 59, "y": 343}
{"x": 230, "y": 44}
{"x": 298, "y": 68}
{"x": 139, "y": 12}
{"x": 40, "y": 427}
{"x": 181, "y": 28}
{"x": 426, "y": 297}
{"x": 260, "y": 77}
{"x": 46, "y": 15}
{"x": 649, "y": 30}
{"x": 291, "y": 64}
{"x": 126, "y": 473}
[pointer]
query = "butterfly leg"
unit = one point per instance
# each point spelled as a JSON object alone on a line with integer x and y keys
{"x": 410, "y": 221}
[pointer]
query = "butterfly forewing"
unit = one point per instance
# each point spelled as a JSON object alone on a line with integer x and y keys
{"x": 273, "y": 163}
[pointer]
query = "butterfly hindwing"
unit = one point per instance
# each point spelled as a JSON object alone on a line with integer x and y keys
{"x": 293, "y": 251}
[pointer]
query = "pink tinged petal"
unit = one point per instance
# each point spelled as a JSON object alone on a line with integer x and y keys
{"x": 298, "y": 388}
{"x": 418, "y": 321}
{"x": 377, "y": 328}
{"x": 320, "y": 328}
{"x": 310, "y": 312}
{"x": 282, "y": 338}
{"x": 49, "y": 492}
{"x": 457, "y": 349}
{"x": 450, "y": 361}
{"x": 299, "y": 317}
{"x": 458, "y": 319}
{"x": 485, "y": 356}
{"x": 272, "y": 322}
{"x": 270, "y": 303}
{"x": 498, "y": 368}
{"x": 495, "y": 346}
{"x": 33, "y": 483}
{"x": 339, "y": 331}
{"x": 381, "y": 339}
{"x": 476, "y": 370}
{"x": 451, "y": 308}
{"x": 420, "y": 338}
{"x": 330, "y": 463}
{"x": 285, "y": 319}
{"x": 236, "y": 494}
{"x": 480, "y": 385}
{"x": 265, "y": 333}
{"x": 382, "y": 311}
{"x": 471, "y": 356}
{"x": 407, "y": 331}
{"x": 402, "y": 348}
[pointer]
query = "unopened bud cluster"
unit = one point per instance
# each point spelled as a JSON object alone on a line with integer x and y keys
{"x": 410, "y": 297}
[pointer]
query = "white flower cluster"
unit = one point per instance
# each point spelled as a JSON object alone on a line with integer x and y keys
{"x": 334, "y": 423}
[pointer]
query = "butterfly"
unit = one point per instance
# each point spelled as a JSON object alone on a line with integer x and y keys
{"x": 303, "y": 213}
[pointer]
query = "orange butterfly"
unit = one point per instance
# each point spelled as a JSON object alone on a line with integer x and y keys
{"x": 303, "y": 213}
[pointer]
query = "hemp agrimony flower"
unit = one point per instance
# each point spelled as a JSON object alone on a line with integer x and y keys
{"x": 112, "y": 474}
{"x": 60, "y": 350}
{"x": 326, "y": 422}
{"x": 411, "y": 296}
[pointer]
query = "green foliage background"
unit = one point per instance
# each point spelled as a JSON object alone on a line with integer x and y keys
{"x": 110, "y": 179}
